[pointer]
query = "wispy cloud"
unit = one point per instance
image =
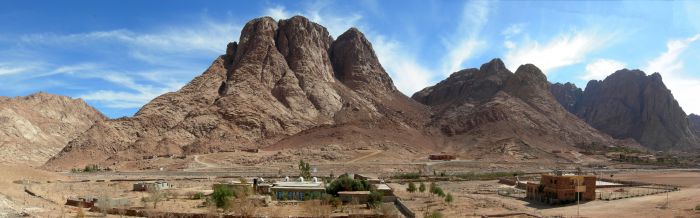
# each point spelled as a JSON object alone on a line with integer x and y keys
{"x": 277, "y": 12}
{"x": 208, "y": 37}
{"x": 319, "y": 12}
{"x": 408, "y": 75}
{"x": 11, "y": 69}
{"x": 670, "y": 65}
{"x": 562, "y": 50}
{"x": 466, "y": 42}
{"x": 601, "y": 68}
{"x": 142, "y": 65}
{"x": 139, "y": 93}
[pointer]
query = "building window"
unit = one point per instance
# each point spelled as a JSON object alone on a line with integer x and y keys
{"x": 290, "y": 195}
{"x": 301, "y": 196}
{"x": 280, "y": 195}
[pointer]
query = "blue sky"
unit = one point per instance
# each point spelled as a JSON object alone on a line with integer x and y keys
{"x": 117, "y": 55}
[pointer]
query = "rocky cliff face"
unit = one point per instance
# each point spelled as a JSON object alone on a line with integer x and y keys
{"x": 567, "y": 95}
{"x": 630, "y": 104}
{"x": 36, "y": 127}
{"x": 493, "y": 111}
{"x": 281, "y": 79}
{"x": 694, "y": 121}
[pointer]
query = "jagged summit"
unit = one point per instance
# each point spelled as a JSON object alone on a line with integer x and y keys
{"x": 515, "y": 112}
{"x": 631, "y": 104}
{"x": 282, "y": 78}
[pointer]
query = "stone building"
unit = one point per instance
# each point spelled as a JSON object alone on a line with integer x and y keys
{"x": 562, "y": 189}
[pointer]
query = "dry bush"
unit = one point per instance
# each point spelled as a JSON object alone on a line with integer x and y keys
{"x": 388, "y": 211}
{"x": 280, "y": 213}
{"x": 242, "y": 206}
{"x": 317, "y": 208}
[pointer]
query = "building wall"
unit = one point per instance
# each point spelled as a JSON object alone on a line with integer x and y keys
{"x": 561, "y": 189}
{"x": 297, "y": 194}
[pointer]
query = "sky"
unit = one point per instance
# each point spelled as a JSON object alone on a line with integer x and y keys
{"x": 118, "y": 55}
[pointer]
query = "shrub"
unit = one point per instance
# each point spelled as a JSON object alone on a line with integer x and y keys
{"x": 697, "y": 207}
{"x": 375, "y": 198}
{"x": 91, "y": 168}
{"x": 411, "y": 187}
{"x": 434, "y": 214}
{"x": 421, "y": 188}
{"x": 221, "y": 196}
{"x": 407, "y": 176}
{"x": 449, "y": 198}
{"x": 197, "y": 196}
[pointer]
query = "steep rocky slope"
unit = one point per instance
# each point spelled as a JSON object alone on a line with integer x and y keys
{"x": 631, "y": 104}
{"x": 567, "y": 94}
{"x": 38, "y": 126}
{"x": 694, "y": 121}
{"x": 281, "y": 83}
{"x": 493, "y": 111}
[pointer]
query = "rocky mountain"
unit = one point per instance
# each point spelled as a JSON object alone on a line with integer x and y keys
{"x": 36, "y": 127}
{"x": 694, "y": 121}
{"x": 567, "y": 94}
{"x": 631, "y": 104}
{"x": 491, "y": 110}
{"x": 286, "y": 83}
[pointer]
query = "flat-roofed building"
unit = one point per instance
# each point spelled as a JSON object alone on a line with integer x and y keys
{"x": 146, "y": 186}
{"x": 298, "y": 190}
{"x": 562, "y": 189}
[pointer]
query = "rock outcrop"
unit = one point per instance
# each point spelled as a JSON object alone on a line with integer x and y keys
{"x": 694, "y": 121}
{"x": 491, "y": 109}
{"x": 281, "y": 80}
{"x": 36, "y": 127}
{"x": 567, "y": 95}
{"x": 631, "y": 104}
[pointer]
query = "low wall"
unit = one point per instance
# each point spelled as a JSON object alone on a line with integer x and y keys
{"x": 404, "y": 209}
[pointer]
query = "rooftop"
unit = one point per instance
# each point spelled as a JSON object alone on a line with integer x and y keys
{"x": 299, "y": 184}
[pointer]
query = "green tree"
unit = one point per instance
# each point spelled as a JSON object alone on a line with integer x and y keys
{"x": 449, "y": 198}
{"x": 375, "y": 198}
{"x": 431, "y": 188}
{"x": 221, "y": 196}
{"x": 411, "y": 187}
{"x": 421, "y": 188}
{"x": 304, "y": 169}
{"x": 345, "y": 183}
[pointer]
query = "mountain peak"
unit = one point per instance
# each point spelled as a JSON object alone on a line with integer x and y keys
{"x": 356, "y": 65}
{"x": 495, "y": 65}
{"x": 632, "y": 104}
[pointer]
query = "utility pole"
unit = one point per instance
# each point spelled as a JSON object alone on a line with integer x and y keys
{"x": 578, "y": 199}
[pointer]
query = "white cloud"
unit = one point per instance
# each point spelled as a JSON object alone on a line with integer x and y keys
{"x": 277, "y": 12}
{"x": 601, "y": 68}
{"x": 408, "y": 75}
{"x": 207, "y": 37}
{"x": 465, "y": 43}
{"x": 140, "y": 94}
{"x": 320, "y": 13}
{"x": 118, "y": 100}
{"x": 562, "y": 50}
{"x": 11, "y": 69}
{"x": 171, "y": 53}
{"x": 669, "y": 61}
{"x": 670, "y": 65}
{"x": 513, "y": 30}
